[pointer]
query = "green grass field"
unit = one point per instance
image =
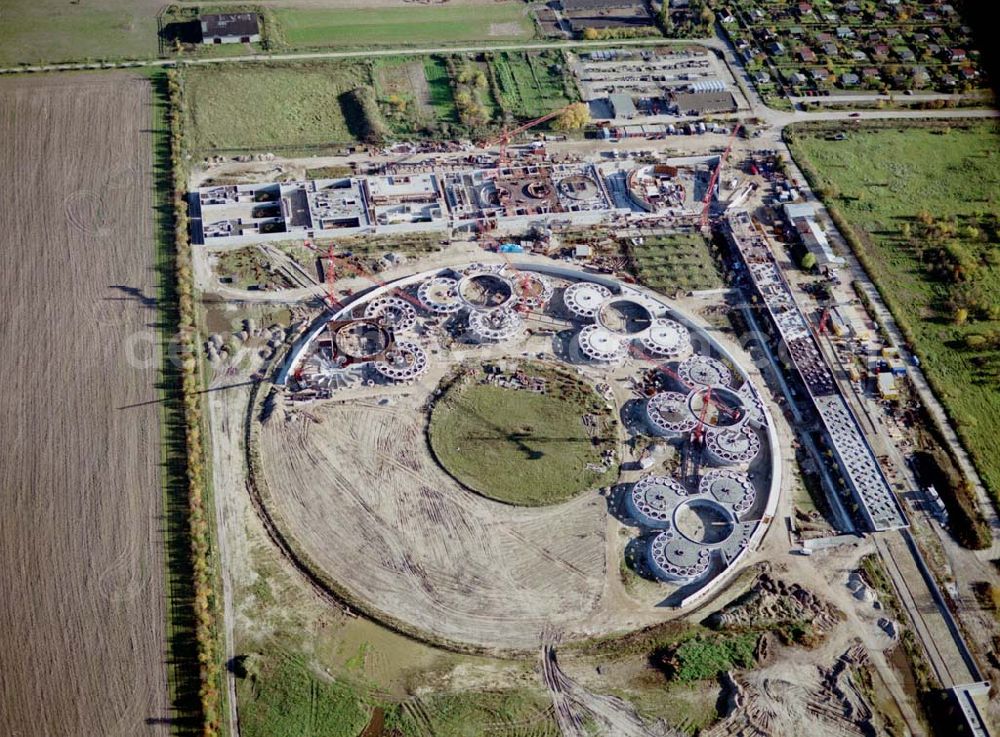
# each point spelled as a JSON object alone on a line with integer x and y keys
{"x": 880, "y": 180}
{"x": 675, "y": 262}
{"x": 442, "y": 99}
{"x": 282, "y": 697}
{"x": 48, "y": 31}
{"x": 531, "y": 83}
{"x": 404, "y": 26}
{"x": 518, "y": 446}
{"x": 268, "y": 107}
{"x": 501, "y": 714}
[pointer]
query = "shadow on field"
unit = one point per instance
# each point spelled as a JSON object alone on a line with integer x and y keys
{"x": 182, "y": 655}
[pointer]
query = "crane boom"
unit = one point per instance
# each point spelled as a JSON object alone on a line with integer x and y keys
{"x": 707, "y": 201}
{"x": 506, "y": 135}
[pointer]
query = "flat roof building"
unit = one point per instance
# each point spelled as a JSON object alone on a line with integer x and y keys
{"x": 703, "y": 103}
{"x": 801, "y": 217}
{"x": 622, "y": 106}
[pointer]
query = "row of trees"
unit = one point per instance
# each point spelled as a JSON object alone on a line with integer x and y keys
{"x": 205, "y": 603}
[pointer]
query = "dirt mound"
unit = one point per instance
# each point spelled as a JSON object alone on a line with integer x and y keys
{"x": 781, "y": 700}
{"x": 792, "y": 611}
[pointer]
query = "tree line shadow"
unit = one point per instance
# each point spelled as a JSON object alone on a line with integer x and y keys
{"x": 182, "y": 649}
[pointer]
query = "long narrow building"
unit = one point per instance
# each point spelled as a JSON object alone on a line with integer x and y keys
{"x": 855, "y": 458}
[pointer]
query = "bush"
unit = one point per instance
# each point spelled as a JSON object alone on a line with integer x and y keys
{"x": 364, "y": 116}
{"x": 966, "y": 521}
{"x": 707, "y": 657}
{"x": 205, "y": 601}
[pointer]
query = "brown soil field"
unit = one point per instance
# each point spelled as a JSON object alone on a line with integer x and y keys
{"x": 362, "y": 497}
{"x": 82, "y": 584}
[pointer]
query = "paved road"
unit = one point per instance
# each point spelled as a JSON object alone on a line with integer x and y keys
{"x": 364, "y": 53}
{"x": 874, "y": 97}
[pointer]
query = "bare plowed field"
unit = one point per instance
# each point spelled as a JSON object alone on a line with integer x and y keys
{"x": 82, "y": 623}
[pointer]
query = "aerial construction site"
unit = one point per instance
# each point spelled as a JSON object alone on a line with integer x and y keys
{"x": 587, "y": 368}
{"x": 475, "y": 427}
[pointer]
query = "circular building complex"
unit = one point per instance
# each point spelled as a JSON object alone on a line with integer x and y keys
{"x": 582, "y": 390}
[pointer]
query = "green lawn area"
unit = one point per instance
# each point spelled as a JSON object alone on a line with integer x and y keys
{"x": 282, "y": 697}
{"x": 518, "y": 446}
{"x": 923, "y": 202}
{"x": 49, "y": 31}
{"x": 269, "y": 107}
{"x": 442, "y": 99}
{"x": 531, "y": 84}
{"x": 675, "y": 262}
{"x": 402, "y": 26}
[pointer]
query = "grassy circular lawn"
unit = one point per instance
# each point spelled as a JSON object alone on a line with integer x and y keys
{"x": 521, "y": 447}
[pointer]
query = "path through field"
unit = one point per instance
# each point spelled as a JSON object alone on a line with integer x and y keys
{"x": 82, "y": 616}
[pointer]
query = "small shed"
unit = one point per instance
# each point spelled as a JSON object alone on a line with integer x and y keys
{"x": 887, "y": 386}
{"x": 224, "y": 28}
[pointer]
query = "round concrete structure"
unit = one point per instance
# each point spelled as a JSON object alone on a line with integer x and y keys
{"x": 733, "y": 489}
{"x": 395, "y": 313}
{"x": 486, "y": 291}
{"x": 584, "y": 299}
{"x": 404, "y": 362}
{"x": 533, "y": 290}
{"x": 361, "y": 340}
{"x": 494, "y": 325}
{"x": 673, "y": 557}
{"x": 717, "y": 407}
{"x": 652, "y": 500}
{"x": 440, "y": 294}
{"x": 667, "y": 339}
{"x": 627, "y": 317}
{"x": 669, "y": 415}
{"x": 600, "y": 344}
{"x": 735, "y": 446}
{"x": 704, "y": 370}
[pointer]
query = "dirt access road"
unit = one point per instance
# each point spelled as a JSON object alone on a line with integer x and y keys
{"x": 82, "y": 610}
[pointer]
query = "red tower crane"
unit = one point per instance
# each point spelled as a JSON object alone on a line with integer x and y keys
{"x": 699, "y": 431}
{"x": 680, "y": 380}
{"x": 507, "y": 134}
{"x": 707, "y": 201}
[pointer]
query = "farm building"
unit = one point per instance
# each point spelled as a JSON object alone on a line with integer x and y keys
{"x": 583, "y": 14}
{"x": 225, "y": 28}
